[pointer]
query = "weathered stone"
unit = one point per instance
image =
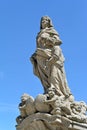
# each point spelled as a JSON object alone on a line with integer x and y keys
{"x": 43, "y": 121}
{"x": 40, "y": 104}
{"x": 56, "y": 109}
{"x": 48, "y": 59}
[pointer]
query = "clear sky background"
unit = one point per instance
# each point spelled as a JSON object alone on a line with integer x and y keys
{"x": 19, "y": 25}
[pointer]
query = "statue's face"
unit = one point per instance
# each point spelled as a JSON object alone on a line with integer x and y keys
{"x": 45, "y": 23}
{"x": 23, "y": 98}
{"x": 51, "y": 93}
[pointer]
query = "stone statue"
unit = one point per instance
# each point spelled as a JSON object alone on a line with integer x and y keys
{"x": 55, "y": 102}
{"x": 48, "y": 60}
{"x": 56, "y": 108}
{"x": 78, "y": 112}
{"x": 26, "y": 107}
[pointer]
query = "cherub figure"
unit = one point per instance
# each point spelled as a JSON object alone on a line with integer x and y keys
{"x": 55, "y": 102}
{"x": 78, "y": 112}
{"x": 26, "y": 107}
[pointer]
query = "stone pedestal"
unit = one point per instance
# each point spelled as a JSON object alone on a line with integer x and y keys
{"x": 43, "y": 121}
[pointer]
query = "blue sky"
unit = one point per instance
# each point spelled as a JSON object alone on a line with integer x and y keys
{"x": 19, "y": 25}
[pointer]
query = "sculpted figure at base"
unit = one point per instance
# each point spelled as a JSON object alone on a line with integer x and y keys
{"x": 26, "y": 107}
{"x": 55, "y": 102}
{"x": 48, "y": 60}
{"x": 78, "y": 112}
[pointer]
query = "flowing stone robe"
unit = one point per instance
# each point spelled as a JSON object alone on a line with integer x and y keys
{"x": 48, "y": 62}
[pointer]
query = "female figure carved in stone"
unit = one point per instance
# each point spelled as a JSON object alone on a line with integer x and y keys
{"x": 48, "y": 59}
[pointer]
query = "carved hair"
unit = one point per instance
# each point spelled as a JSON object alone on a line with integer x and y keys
{"x": 25, "y": 95}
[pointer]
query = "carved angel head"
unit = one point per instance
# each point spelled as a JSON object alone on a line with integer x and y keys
{"x": 24, "y": 97}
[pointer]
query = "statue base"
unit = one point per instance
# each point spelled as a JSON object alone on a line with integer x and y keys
{"x": 44, "y": 121}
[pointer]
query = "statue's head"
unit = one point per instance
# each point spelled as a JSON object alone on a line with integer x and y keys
{"x": 51, "y": 92}
{"x": 83, "y": 104}
{"x": 45, "y": 22}
{"x": 24, "y": 97}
